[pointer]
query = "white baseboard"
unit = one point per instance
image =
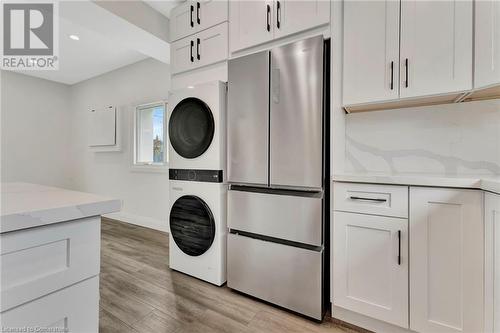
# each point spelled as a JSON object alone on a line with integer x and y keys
{"x": 143, "y": 221}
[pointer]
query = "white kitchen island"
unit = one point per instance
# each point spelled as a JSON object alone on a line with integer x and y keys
{"x": 50, "y": 258}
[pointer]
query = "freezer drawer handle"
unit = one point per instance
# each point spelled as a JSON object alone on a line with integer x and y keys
{"x": 268, "y": 17}
{"x": 399, "y": 247}
{"x": 368, "y": 199}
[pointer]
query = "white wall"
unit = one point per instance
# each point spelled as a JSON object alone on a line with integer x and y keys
{"x": 451, "y": 140}
{"x": 144, "y": 194}
{"x": 35, "y": 115}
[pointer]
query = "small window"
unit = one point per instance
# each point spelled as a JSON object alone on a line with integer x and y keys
{"x": 150, "y": 134}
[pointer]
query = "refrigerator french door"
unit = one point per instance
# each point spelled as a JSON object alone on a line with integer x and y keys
{"x": 275, "y": 117}
{"x": 276, "y": 164}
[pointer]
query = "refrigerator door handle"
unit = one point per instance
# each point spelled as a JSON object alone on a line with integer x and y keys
{"x": 275, "y": 85}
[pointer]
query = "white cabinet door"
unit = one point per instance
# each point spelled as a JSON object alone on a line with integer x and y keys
{"x": 371, "y": 266}
{"x": 183, "y": 54}
{"x": 210, "y": 13}
{"x": 204, "y": 48}
{"x": 487, "y": 43}
{"x": 371, "y": 51}
{"x": 436, "y": 47}
{"x": 250, "y": 23}
{"x": 182, "y": 20}
{"x": 446, "y": 260}
{"x": 292, "y": 16}
{"x": 211, "y": 45}
{"x": 492, "y": 263}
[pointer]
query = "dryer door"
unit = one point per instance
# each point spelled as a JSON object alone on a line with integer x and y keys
{"x": 191, "y": 127}
{"x": 192, "y": 225}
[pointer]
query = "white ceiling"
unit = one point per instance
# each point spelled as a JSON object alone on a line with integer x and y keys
{"x": 163, "y": 6}
{"x": 92, "y": 55}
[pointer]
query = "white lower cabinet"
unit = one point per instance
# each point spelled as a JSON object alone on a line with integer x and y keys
{"x": 73, "y": 309}
{"x": 371, "y": 266}
{"x": 446, "y": 260}
{"x": 492, "y": 263}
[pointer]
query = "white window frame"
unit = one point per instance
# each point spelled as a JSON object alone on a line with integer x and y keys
{"x": 149, "y": 167}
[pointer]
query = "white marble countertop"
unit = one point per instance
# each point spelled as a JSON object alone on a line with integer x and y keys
{"x": 25, "y": 205}
{"x": 487, "y": 183}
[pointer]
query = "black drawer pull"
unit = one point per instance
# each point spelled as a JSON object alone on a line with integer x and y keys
{"x": 368, "y": 199}
{"x": 406, "y": 73}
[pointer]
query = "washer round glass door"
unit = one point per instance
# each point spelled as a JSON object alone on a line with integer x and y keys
{"x": 192, "y": 225}
{"x": 191, "y": 127}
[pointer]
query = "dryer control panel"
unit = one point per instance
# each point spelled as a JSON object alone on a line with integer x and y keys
{"x": 209, "y": 176}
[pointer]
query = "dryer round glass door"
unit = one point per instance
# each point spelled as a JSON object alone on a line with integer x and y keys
{"x": 191, "y": 127}
{"x": 192, "y": 225}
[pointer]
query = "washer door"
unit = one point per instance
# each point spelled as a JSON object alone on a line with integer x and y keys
{"x": 192, "y": 225}
{"x": 191, "y": 127}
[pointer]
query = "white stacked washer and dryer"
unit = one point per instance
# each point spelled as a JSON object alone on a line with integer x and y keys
{"x": 198, "y": 190}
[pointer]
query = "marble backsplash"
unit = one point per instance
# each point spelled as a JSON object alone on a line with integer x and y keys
{"x": 450, "y": 140}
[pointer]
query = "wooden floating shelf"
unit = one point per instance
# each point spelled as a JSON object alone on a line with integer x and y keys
{"x": 492, "y": 92}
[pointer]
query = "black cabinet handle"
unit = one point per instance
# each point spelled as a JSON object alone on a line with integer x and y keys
{"x": 392, "y": 75}
{"x": 198, "y": 48}
{"x": 399, "y": 247}
{"x": 406, "y": 73}
{"x": 368, "y": 199}
{"x": 278, "y": 14}
{"x": 268, "y": 17}
{"x": 192, "y": 10}
{"x": 192, "y": 58}
{"x": 198, "y": 13}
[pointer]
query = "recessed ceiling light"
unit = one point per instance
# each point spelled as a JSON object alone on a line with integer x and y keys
{"x": 74, "y": 37}
{"x": 190, "y": 87}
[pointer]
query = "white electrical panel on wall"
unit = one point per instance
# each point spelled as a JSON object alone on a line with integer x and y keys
{"x": 103, "y": 129}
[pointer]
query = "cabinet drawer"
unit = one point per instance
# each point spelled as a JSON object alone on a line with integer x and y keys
{"x": 284, "y": 275}
{"x": 74, "y": 309}
{"x": 384, "y": 200}
{"x": 293, "y": 218}
{"x": 38, "y": 261}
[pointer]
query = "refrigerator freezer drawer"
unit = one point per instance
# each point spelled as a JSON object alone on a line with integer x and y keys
{"x": 284, "y": 275}
{"x": 293, "y": 218}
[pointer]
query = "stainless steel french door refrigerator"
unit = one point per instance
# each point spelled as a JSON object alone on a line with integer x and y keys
{"x": 277, "y": 161}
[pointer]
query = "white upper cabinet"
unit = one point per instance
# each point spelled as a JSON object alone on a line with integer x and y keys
{"x": 446, "y": 260}
{"x": 256, "y": 22}
{"x": 193, "y": 16}
{"x": 436, "y": 47}
{"x": 371, "y": 51}
{"x": 406, "y": 53}
{"x": 371, "y": 266}
{"x": 250, "y": 23}
{"x": 201, "y": 49}
{"x": 210, "y": 13}
{"x": 292, "y": 16}
{"x": 492, "y": 263}
{"x": 487, "y": 43}
{"x": 182, "y": 21}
